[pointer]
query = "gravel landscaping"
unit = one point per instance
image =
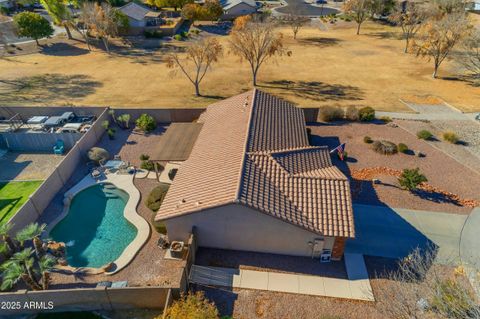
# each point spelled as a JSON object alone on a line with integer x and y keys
{"x": 443, "y": 172}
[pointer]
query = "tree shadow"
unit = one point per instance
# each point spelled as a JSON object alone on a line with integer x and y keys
{"x": 47, "y": 88}
{"x": 320, "y": 41}
{"x": 8, "y": 204}
{"x": 436, "y": 197}
{"x": 217, "y": 29}
{"x": 62, "y": 49}
{"x": 382, "y": 35}
{"x": 317, "y": 91}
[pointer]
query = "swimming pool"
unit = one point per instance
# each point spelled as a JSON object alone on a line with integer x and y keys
{"x": 94, "y": 230}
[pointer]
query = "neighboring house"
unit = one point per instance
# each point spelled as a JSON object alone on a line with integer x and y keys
{"x": 253, "y": 183}
{"x": 6, "y": 4}
{"x": 235, "y": 8}
{"x": 140, "y": 16}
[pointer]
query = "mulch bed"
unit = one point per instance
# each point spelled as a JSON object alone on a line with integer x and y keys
{"x": 451, "y": 186}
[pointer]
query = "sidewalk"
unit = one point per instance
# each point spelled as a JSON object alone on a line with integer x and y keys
{"x": 357, "y": 287}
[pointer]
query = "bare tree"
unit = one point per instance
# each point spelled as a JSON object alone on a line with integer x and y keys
{"x": 295, "y": 22}
{"x": 359, "y": 9}
{"x": 199, "y": 58}
{"x": 440, "y": 36}
{"x": 470, "y": 58}
{"x": 257, "y": 42}
{"x": 420, "y": 289}
{"x": 410, "y": 18}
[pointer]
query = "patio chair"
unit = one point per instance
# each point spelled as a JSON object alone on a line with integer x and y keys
{"x": 59, "y": 148}
{"x": 117, "y": 157}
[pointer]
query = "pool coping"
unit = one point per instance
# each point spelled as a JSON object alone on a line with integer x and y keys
{"x": 125, "y": 183}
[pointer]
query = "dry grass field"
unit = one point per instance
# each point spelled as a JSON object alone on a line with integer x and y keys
{"x": 327, "y": 67}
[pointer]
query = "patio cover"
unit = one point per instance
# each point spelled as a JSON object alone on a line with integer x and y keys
{"x": 177, "y": 142}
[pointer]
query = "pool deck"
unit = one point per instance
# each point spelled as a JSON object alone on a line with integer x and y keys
{"x": 124, "y": 182}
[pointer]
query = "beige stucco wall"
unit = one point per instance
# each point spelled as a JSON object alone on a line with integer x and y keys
{"x": 240, "y": 228}
{"x": 238, "y": 10}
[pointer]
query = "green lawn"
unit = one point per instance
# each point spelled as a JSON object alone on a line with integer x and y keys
{"x": 13, "y": 195}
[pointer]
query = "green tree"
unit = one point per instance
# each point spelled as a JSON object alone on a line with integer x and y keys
{"x": 32, "y": 232}
{"x": 146, "y": 123}
{"x": 411, "y": 178}
{"x": 33, "y": 25}
{"x": 212, "y": 10}
{"x": 61, "y": 15}
{"x": 4, "y": 234}
{"x": 45, "y": 264}
{"x": 20, "y": 266}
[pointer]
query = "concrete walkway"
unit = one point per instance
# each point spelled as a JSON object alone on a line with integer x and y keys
{"x": 469, "y": 248}
{"x": 357, "y": 287}
{"x": 394, "y": 232}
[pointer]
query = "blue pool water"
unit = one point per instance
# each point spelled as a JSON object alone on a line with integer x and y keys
{"x": 94, "y": 230}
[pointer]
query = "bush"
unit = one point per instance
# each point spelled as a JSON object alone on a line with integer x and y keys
{"x": 450, "y": 137}
{"x": 385, "y": 147}
{"x": 144, "y": 157}
{"x": 386, "y": 119}
{"x": 146, "y": 123}
{"x": 351, "y": 113}
{"x": 410, "y": 178}
{"x": 367, "y": 139}
{"x": 178, "y": 37}
{"x": 451, "y": 300}
{"x": 330, "y": 113}
{"x": 152, "y": 34}
{"x": 172, "y": 173}
{"x": 424, "y": 135}
{"x": 156, "y": 197}
{"x": 192, "y": 305}
{"x": 366, "y": 114}
{"x": 150, "y": 166}
{"x": 98, "y": 154}
{"x": 402, "y": 148}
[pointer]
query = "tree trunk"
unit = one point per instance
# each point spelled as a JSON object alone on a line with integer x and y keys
{"x": 255, "y": 77}
{"x": 67, "y": 29}
{"x": 37, "y": 243}
{"x": 45, "y": 280}
{"x": 36, "y": 40}
{"x": 435, "y": 69}
{"x": 407, "y": 42}
{"x": 197, "y": 89}
{"x": 358, "y": 28}
{"x": 30, "y": 282}
{"x": 295, "y": 35}
{"x": 105, "y": 42}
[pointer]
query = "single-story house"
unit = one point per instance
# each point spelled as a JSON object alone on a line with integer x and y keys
{"x": 235, "y": 8}
{"x": 252, "y": 182}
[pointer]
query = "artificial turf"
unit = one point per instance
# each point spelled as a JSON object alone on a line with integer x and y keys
{"x": 13, "y": 195}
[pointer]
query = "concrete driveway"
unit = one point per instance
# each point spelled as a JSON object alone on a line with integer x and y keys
{"x": 300, "y": 8}
{"x": 394, "y": 233}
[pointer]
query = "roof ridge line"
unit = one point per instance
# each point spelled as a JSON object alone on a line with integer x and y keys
{"x": 244, "y": 155}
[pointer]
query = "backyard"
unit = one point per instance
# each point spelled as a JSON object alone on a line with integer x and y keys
{"x": 330, "y": 65}
{"x": 13, "y": 195}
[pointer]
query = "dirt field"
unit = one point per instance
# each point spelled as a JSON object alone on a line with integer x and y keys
{"x": 331, "y": 67}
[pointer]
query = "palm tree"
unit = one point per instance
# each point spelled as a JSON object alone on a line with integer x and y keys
{"x": 20, "y": 266}
{"x": 46, "y": 264}
{"x": 32, "y": 232}
{"x": 4, "y": 233}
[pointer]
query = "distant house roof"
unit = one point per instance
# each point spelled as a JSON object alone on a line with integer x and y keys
{"x": 253, "y": 150}
{"x": 136, "y": 11}
{"x": 228, "y": 4}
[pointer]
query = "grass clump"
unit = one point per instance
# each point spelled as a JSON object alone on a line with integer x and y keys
{"x": 402, "y": 148}
{"x": 385, "y": 147}
{"x": 351, "y": 113}
{"x": 367, "y": 139}
{"x": 330, "y": 113}
{"x": 450, "y": 137}
{"x": 424, "y": 135}
{"x": 366, "y": 114}
{"x": 411, "y": 178}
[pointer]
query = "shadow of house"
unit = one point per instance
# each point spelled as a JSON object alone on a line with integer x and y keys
{"x": 224, "y": 298}
{"x": 379, "y": 230}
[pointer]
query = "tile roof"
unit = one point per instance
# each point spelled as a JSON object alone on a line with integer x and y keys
{"x": 228, "y": 4}
{"x": 253, "y": 150}
{"x": 135, "y": 11}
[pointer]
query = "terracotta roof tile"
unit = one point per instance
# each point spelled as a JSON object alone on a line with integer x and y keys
{"x": 253, "y": 149}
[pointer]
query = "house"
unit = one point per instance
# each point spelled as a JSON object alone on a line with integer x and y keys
{"x": 235, "y": 8}
{"x": 142, "y": 18}
{"x": 252, "y": 182}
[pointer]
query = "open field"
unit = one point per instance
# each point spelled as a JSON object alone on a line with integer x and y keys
{"x": 331, "y": 67}
{"x": 13, "y": 195}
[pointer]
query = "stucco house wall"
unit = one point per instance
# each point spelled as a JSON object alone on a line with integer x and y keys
{"x": 136, "y": 23}
{"x": 238, "y": 10}
{"x": 238, "y": 227}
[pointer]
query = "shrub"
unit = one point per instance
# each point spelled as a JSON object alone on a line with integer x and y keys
{"x": 367, "y": 139}
{"x": 172, "y": 173}
{"x": 366, "y": 114}
{"x": 146, "y": 123}
{"x": 144, "y": 157}
{"x": 98, "y": 155}
{"x": 385, "y": 147}
{"x": 451, "y": 137}
{"x": 386, "y": 119}
{"x": 351, "y": 113}
{"x": 156, "y": 197}
{"x": 150, "y": 166}
{"x": 402, "y": 148}
{"x": 178, "y": 37}
{"x": 330, "y": 113}
{"x": 192, "y": 305}
{"x": 424, "y": 135}
{"x": 451, "y": 300}
{"x": 160, "y": 227}
{"x": 410, "y": 178}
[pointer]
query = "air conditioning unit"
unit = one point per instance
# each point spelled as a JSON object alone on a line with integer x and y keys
{"x": 326, "y": 256}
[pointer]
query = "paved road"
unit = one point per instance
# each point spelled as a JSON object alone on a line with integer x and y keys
{"x": 394, "y": 233}
{"x": 299, "y": 7}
